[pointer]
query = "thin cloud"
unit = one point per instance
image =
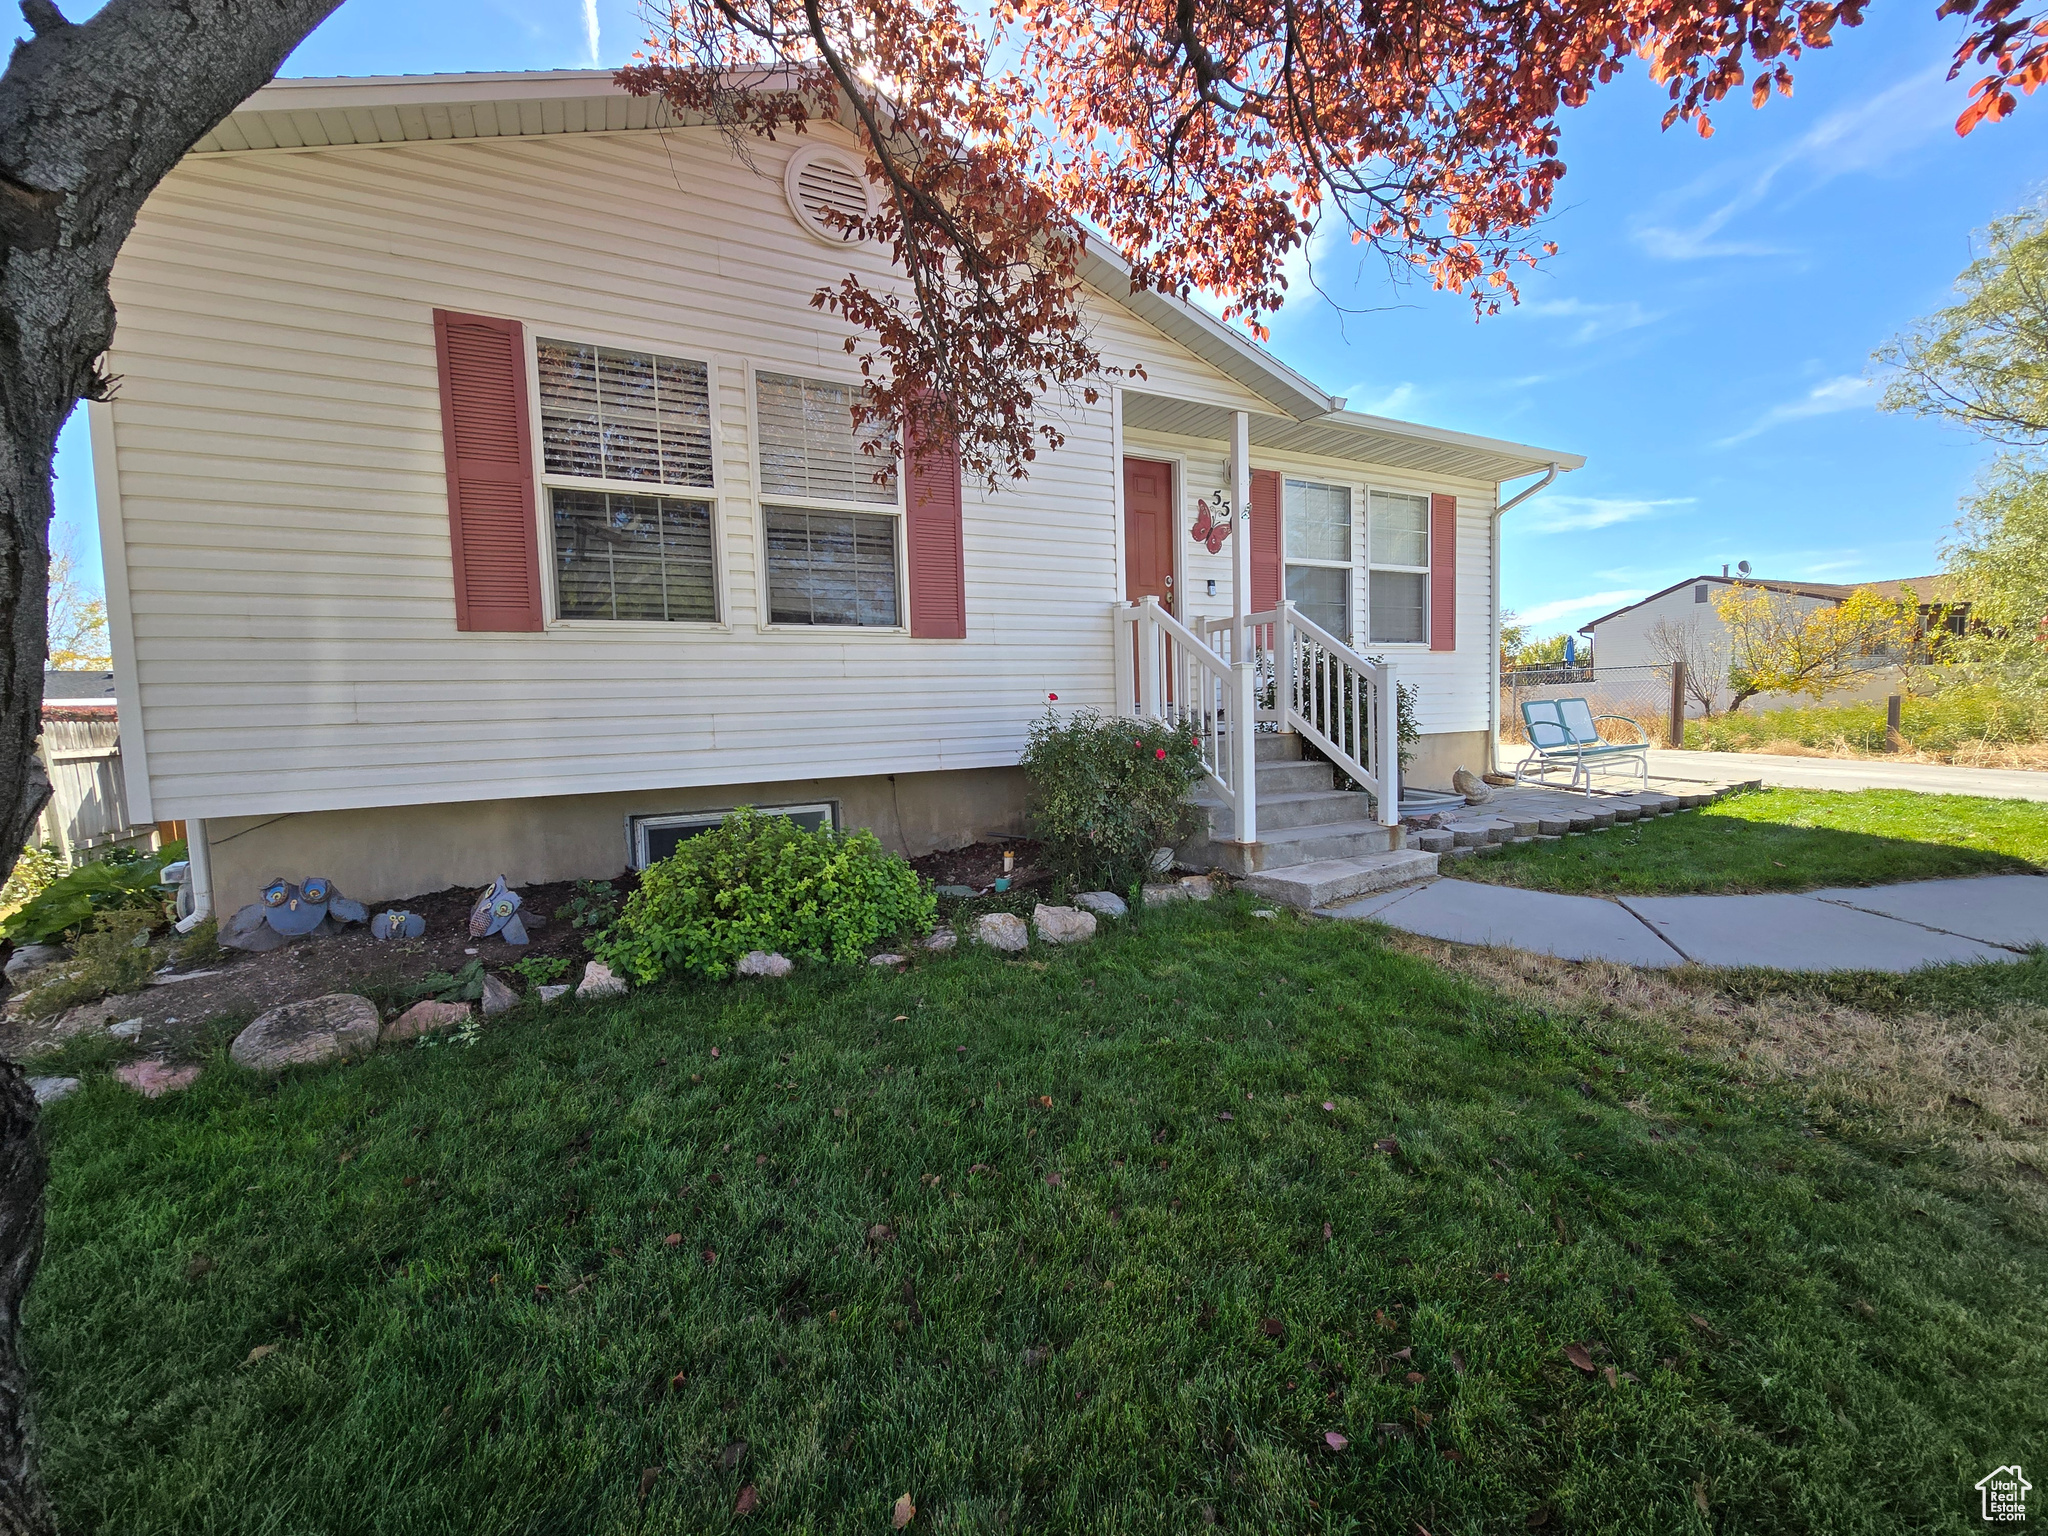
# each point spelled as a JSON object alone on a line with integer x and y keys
{"x": 1595, "y": 320}
{"x": 590, "y": 28}
{"x": 1591, "y": 603}
{"x": 1576, "y": 514}
{"x": 1869, "y": 137}
{"x": 1370, "y": 401}
{"x": 1846, "y": 393}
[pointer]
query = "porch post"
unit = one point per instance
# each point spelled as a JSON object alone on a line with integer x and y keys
{"x": 1389, "y": 747}
{"x": 1244, "y": 771}
{"x": 1149, "y": 690}
{"x": 1123, "y": 627}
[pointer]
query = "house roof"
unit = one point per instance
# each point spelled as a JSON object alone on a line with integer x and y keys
{"x": 75, "y": 689}
{"x": 1929, "y": 589}
{"x": 393, "y": 109}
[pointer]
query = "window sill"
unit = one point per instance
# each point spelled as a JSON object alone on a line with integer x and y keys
{"x": 639, "y": 626}
{"x": 878, "y": 631}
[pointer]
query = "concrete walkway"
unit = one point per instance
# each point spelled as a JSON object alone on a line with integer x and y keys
{"x": 1667, "y": 767}
{"x": 1877, "y": 928}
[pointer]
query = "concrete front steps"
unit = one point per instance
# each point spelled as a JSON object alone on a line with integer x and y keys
{"x": 1316, "y": 843}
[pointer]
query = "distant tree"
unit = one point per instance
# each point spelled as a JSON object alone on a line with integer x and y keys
{"x": 1776, "y": 646}
{"x": 1514, "y": 634}
{"x": 1704, "y": 655}
{"x": 78, "y": 618}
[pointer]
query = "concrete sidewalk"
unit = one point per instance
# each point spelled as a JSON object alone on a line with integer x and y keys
{"x": 1879, "y": 928}
{"x": 1668, "y": 767}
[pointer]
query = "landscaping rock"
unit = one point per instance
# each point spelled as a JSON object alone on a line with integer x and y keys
{"x": 598, "y": 980}
{"x": 1103, "y": 903}
{"x": 1264, "y": 912}
{"x": 1432, "y": 839}
{"x": 944, "y": 938}
{"x": 247, "y": 930}
{"x": 758, "y": 962}
{"x": 304, "y": 1034}
{"x": 893, "y": 961}
{"x": 1002, "y": 930}
{"x": 1160, "y": 895}
{"x": 30, "y": 956}
{"x": 48, "y": 1090}
{"x": 957, "y": 892}
{"x": 498, "y": 996}
{"x": 1198, "y": 887}
{"x": 1062, "y": 925}
{"x": 154, "y": 1079}
{"x": 549, "y": 993}
{"x": 425, "y": 1018}
{"x": 1471, "y": 786}
{"x": 127, "y": 1029}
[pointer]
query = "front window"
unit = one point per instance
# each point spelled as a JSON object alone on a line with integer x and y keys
{"x": 1318, "y": 548}
{"x": 618, "y": 427}
{"x": 831, "y": 507}
{"x": 1397, "y": 576}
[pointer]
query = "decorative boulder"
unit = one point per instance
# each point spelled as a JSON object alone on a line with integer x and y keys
{"x": 1471, "y": 786}
{"x": 1105, "y": 903}
{"x": 894, "y": 962}
{"x": 127, "y": 1029}
{"x": 598, "y": 981}
{"x": 549, "y": 993}
{"x": 308, "y": 1033}
{"x": 944, "y": 938}
{"x": 48, "y": 1090}
{"x": 1063, "y": 925}
{"x": 758, "y": 962}
{"x": 1198, "y": 887}
{"x": 30, "y": 956}
{"x": 154, "y": 1079}
{"x": 1160, "y": 895}
{"x": 425, "y": 1018}
{"x": 498, "y": 996}
{"x": 1002, "y": 930}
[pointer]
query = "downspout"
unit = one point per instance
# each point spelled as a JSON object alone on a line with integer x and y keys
{"x": 199, "y": 857}
{"x": 1501, "y": 509}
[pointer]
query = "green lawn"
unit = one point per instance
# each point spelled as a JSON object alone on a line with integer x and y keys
{"x": 1067, "y": 1244}
{"x": 1783, "y": 840}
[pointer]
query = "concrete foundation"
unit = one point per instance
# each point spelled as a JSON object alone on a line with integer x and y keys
{"x": 381, "y": 854}
{"x": 1434, "y": 758}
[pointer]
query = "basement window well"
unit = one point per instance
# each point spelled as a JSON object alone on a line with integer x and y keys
{"x": 650, "y": 839}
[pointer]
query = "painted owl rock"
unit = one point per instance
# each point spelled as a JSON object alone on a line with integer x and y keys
{"x": 397, "y": 925}
{"x": 497, "y": 912}
{"x": 296, "y": 909}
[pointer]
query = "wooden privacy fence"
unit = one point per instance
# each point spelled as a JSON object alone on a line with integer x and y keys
{"x": 88, "y": 807}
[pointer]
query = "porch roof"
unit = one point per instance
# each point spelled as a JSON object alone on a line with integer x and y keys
{"x": 1354, "y": 436}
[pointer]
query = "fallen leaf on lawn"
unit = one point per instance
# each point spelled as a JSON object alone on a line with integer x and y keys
{"x": 1328, "y": 1105}
{"x": 714, "y": 1053}
{"x": 1406, "y": 1352}
{"x": 1053, "y": 1179}
{"x": 1538, "y": 1517}
{"x": 259, "y": 1352}
{"x": 1424, "y": 1419}
{"x": 674, "y": 1240}
{"x": 1417, "y": 1378}
{"x": 1608, "y": 1372}
{"x": 1272, "y": 1328}
{"x": 1579, "y": 1356}
{"x": 904, "y": 1018}
{"x": 1454, "y": 1455}
{"x": 1226, "y": 1115}
{"x": 677, "y": 1381}
{"x": 1457, "y": 1362}
{"x": 710, "y": 1257}
{"x": 1386, "y": 1144}
{"x": 1393, "y": 1431}
{"x": 1045, "y": 1101}
{"x": 979, "y": 1168}
{"x": 1326, "y": 1231}
{"x": 902, "y": 1514}
{"x": 647, "y": 1478}
{"x": 744, "y": 1504}
{"x": 1699, "y": 1495}
{"x": 1333, "y": 1440}
{"x": 734, "y": 1453}
{"x": 1702, "y": 1324}
{"x": 200, "y": 1264}
{"x": 879, "y": 1233}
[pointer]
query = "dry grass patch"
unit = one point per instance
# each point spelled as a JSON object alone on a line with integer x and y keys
{"x": 1965, "y": 1075}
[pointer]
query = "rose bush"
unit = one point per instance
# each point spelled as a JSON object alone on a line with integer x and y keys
{"x": 1108, "y": 792}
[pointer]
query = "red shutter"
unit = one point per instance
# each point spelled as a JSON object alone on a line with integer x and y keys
{"x": 1443, "y": 573}
{"x": 1265, "y": 540}
{"x": 931, "y": 531}
{"x": 489, "y": 448}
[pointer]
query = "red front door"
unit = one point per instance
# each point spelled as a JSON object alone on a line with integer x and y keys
{"x": 1148, "y": 532}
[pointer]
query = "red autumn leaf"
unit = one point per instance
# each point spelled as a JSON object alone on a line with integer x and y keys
{"x": 902, "y": 1514}
{"x": 1053, "y": 1179}
{"x": 1330, "y": 1105}
{"x": 714, "y": 1053}
{"x": 1333, "y": 1440}
{"x": 745, "y": 1503}
{"x": 1417, "y": 1378}
{"x": 674, "y": 1239}
{"x": 677, "y": 1381}
{"x": 1580, "y": 1356}
{"x": 1272, "y": 1328}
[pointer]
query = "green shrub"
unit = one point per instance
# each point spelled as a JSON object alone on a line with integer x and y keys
{"x": 113, "y": 955}
{"x": 762, "y": 882}
{"x": 32, "y": 874}
{"x": 540, "y": 970}
{"x": 1109, "y": 792}
{"x": 114, "y": 884}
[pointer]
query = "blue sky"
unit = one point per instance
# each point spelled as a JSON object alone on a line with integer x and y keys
{"x": 1703, "y": 337}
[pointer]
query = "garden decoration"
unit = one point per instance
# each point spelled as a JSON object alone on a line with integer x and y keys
{"x": 497, "y": 912}
{"x": 1212, "y": 531}
{"x": 397, "y": 924}
{"x": 284, "y": 911}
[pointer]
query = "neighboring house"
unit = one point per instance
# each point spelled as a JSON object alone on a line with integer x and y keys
{"x": 80, "y": 747}
{"x": 1637, "y": 636}
{"x": 481, "y": 496}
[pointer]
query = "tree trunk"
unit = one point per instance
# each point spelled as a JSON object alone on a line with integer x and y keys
{"x": 92, "y": 117}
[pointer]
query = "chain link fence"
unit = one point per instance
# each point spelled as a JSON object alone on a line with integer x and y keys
{"x": 1641, "y": 694}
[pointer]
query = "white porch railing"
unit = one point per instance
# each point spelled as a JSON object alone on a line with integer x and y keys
{"x": 1294, "y": 675}
{"x": 1311, "y": 682}
{"x": 1165, "y": 671}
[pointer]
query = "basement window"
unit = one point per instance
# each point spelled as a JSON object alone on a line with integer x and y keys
{"x": 650, "y": 839}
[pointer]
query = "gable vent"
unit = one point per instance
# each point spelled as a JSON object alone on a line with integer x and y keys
{"x": 824, "y": 183}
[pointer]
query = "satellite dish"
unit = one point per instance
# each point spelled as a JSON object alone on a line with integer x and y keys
{"x": 1742, "y": 567}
